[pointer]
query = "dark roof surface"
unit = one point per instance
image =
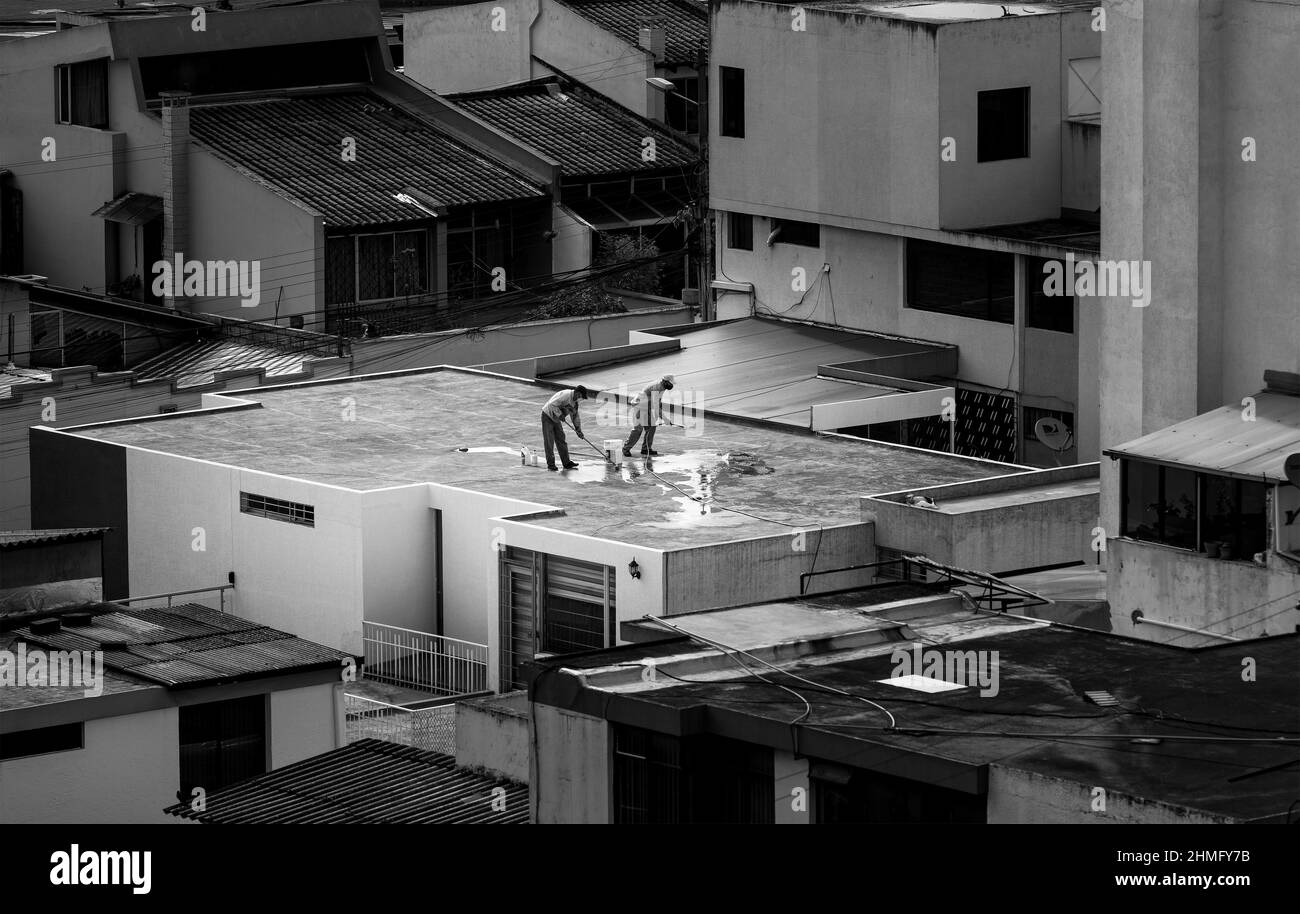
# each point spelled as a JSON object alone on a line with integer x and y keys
{"x": 10, "y": 539}
{"x": 184, "y": 645}
{"x": 293, "y": 144}
{"x": 367, "y": 782}
{"x": 685, "y": 24}
{"x": 1040, "y": 720}
{"x": 584, "y": 132}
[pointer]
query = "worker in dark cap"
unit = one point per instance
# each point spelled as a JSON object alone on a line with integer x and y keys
{"x": 647, "y": 411}
{"x": 562, "y": 404}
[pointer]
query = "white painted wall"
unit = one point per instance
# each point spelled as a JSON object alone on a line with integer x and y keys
{"x": 570, "y": 768}
{"x": 456, "y": 49}
{"x": 1000, "y": 54}
{"x": 128, "y": 772}
{"x": 303, "y": 722}
{"x": 303, "y": 580}
{"x": 399, "y": 558}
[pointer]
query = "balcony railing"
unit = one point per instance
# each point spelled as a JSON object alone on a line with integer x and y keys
{"x": 433, "y": 728}
{"x": 423, "y": 661}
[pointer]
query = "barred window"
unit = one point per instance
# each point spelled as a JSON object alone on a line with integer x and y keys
{"x": 291, "y": 512}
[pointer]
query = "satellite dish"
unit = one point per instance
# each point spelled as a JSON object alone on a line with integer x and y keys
{"x": 1292, "y": 468}
{"x": 1054, "y": 433}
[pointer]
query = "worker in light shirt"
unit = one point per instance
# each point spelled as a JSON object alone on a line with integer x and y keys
{"x": 647, "y": 411}
{"x": 564, "y": 403}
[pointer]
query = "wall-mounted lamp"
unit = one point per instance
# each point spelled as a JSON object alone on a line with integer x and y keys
{"x": 634, "y": 569}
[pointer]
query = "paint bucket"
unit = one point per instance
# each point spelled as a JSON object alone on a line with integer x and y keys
{"x": 614, "y": 451}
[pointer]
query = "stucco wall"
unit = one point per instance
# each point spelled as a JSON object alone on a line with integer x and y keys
{"x": 126, "y": 774}
{"x": 1031, "y": 535}
{"x": 818, "y": 104}
{"x": 571, "y": 768}
{"x": 456, "y": 49}
{"x": 1026, "y": 797}
{"x": 492, "y": 734}
{"x": 1188, "y": 588}
{"x": 992, "y": 54}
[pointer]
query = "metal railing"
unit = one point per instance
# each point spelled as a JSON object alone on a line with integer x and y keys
{"x": 166, "y": 599}
{"x": 423, "y": 661}
{"x": 433, "y": 728}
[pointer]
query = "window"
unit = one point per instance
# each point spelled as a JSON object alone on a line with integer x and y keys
{"x": 1235, "y": 513}
{"x": 552, "y": 605}
{"x": 42, "y": 741}
{"x": 1043, "y": 311}
{"x": 966, "y": 282}
{"x": 740, "y": 231}
{"x": 376, "y": 267}
{"x": 1033, "y": 414}
{"x": 83, "y": 94}
{"x": 1003, "y": 124}
{"x": 660, "y": 779}
{"x": 1160, "y": 504}
{"x": 222, "y": 742}
{"x": 277, "y": 509}
{"x": 842, "y": 794}
{"x": 804, "y": 234}
{"x": 731, "y": 120}
{"x": 682, "y": 106}
{"x": 477, "y": 243}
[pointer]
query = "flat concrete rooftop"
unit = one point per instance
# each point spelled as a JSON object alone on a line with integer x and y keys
{"x": 408, "y": 427}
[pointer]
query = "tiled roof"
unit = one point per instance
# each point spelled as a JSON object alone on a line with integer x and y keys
{"x": 585, "y": 133}
{"x": 183, "y": 645}
{"x": 198, "y": 363}
{"x": 367, "y": 782}
{"x": 293, "y": 144}
{"x": 685, "y": 24}
{"x": 12, "y": 538}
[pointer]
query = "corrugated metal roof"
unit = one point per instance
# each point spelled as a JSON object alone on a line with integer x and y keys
{"x": 1225, "y": 441}
{"x": 12, "y": 375}
{"x": 367, "y": 782}
{"x": 685, "y": 24}
{"x": 197, "y": 363}
{"x": 585, "y": 133}
{"x": 12, "y": 538}
{"x": 186, "y": 645}
{"x": 131, "y": 209}
{"x": 293, "y": 145}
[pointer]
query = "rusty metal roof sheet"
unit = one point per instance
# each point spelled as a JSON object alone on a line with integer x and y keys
{"x": 186, "y": 645}
{"x": 1226, "y": 440}
{"x": 367, "y": 782}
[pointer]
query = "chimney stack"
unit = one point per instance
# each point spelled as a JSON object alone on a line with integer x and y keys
{"x": 176, "y": 182}
{"x": 652, "y": 39}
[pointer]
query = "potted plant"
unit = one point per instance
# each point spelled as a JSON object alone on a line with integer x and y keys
{"x": 1225, "y": 549}
{"x": 1211, "y": 548}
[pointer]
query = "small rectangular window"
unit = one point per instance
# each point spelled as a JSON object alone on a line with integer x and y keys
{"x": 804, "y": 234}
{"x": 740, "y": 231}
{"x": 1043, "y": 311}
{"x": 222, "y": 743}
{"x": 42, "y": 741}
{"x": 731, "y": 120}
{"x": 1003, "y": 124}
{"x": 83, "y": 94}
{"x": 277, "y": 509}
